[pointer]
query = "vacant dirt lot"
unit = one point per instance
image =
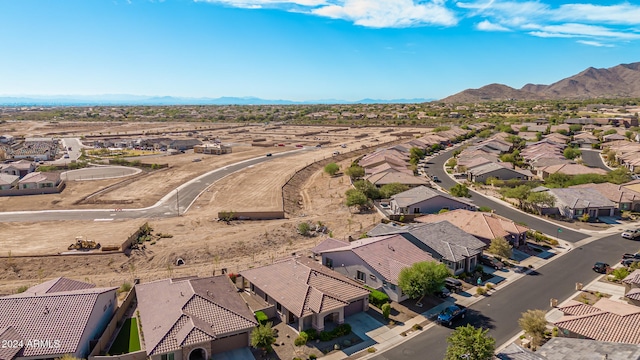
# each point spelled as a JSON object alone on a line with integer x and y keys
{"x": 204, "y": 243}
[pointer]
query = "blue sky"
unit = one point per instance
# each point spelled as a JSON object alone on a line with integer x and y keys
{"x": 305, "y": 49}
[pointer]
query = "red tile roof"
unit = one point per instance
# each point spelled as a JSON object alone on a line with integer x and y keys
{"x": 633, "y": 278}
{"x": 606, "y": 320}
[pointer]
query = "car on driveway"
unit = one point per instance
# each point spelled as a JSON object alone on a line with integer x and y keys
{"x": 443, "y": 292}
{"x": 632, "y": 234}
{"x": 451, "y": 314}
{"x": 491, "y": 262}
{"x": 453, "y": 285}
{"x": 600, "y": 267}
{"x": 629, "y": 262}
{"x": 631, "y": 256}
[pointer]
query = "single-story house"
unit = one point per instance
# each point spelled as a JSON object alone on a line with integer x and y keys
{"x": 192, "y": 319}
{"x": 375, "y": 262}
{"x": 307, "y": 294}
{"x": 387, "y": 167}
{"x": 7, "y": 181}
{"x": 185, "y": 144}
{"x": 606, "y": 320}
{"x": 64, "y": 316}
{"x": 484, "y": 226}
{"x": 459, "y": 250}
{"x": 573, "y": 203}
{"x": 613, "y": 137}
{"x": 19, "y": 168}
{"x": 392, "y": 176}
{"x": 569, "y": 169}
{"x": 215, "y": 149}
{"x": 39, "y": 180}
{"x": 498, "y": 171}
{"x": 624, "y": 199}
{"x": 424, "y": 200}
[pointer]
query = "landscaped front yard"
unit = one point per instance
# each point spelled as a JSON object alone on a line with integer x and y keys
{"x": 127, "y": 340}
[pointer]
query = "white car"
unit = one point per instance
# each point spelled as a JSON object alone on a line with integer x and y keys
{"x": 631, "y": 234}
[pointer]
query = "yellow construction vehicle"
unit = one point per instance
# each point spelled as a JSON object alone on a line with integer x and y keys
{"x": 82, "y": 244}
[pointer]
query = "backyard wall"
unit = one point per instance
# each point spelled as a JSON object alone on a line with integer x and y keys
{"x": 111, "y": 330}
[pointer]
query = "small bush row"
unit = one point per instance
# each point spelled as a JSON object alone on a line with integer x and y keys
{"x": 377, "y": 298}
{"x": 312, "y": 334}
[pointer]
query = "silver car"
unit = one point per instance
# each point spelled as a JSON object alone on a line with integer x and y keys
{"x": 631, "y": 234}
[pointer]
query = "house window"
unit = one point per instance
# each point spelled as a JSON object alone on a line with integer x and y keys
{"x": 361, "y": 276}
{"x": 579, "y": 212}
{"x": 168, "y": 356}
{"x": 328, "y": 263}
{"x": 416, "y": 210}
{"x": 625, "y": 206}
{"x": 252, "y": 288}
{"x": 278, "y": 307}
{"x": 372, "y": 277}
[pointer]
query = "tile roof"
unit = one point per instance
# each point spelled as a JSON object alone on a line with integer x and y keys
{"x": 633, "y": 294}
{"x": 387, "y": 255}
{"x": 422, "y": 193}
{"x": 176, "y": 313}
{"x": 572, "y": 169}
{"x": 385, "y": 167}
{"x": 394, "y": 176}
{"x": 577, "y": 198}
{"x": 515, "y": 352}
{"x": 561, "y": 348}
{"x": 479, "y": 224}
{"x": 608, "y": 320}
{"x": 38, "y": 177}
{"x": 328, "y": 244}
{"x": 304, "y": 287}
{"x": 442, "y": 239}
{"x": 613, "y": 192}
{"x": 9, "y": 352}
{"x": 58, "y": 285}
{"x": 7, "y": 179}
{"x": 54, "y": 315}
{"x": 633, "y": 278}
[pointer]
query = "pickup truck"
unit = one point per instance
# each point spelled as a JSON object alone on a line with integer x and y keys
{"x": 450, "y": 314}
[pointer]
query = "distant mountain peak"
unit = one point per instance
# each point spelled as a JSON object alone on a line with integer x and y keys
{"x": 616, "y": 82}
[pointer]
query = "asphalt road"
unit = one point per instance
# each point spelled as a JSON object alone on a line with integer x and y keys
{"x": 592, "y": 158}
{"x": 500, "y": 312}
{"x": 168, "y": 206}
{"x": 436, "y": 167}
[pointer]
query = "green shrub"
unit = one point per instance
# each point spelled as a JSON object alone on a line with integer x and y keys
{"x": 484, "y": 209}
{"x": 312, "y": 334}
{"x": 481, "y": 291}
{"x": 301, "y": 339}
{"x": 416, "y": 327}
{"x": 261, "y": 317}
{"x": 371, "y": 350}
{"x": 377, "y": 298}
{"x": 22, "y": 289}
{"x": 125, "y": 287}
{"x": 312, "y": 356}
{"x": 489, "y": 286}
{"x": 325, "y": 336}
{"x": 386, "y": 310}
{"x": 554, "y": 332}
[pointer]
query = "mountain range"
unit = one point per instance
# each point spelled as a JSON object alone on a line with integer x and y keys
{"x": 621, "y": 81}
{"x": 129, "y": 100}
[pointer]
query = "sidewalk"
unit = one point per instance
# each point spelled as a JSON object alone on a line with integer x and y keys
{"x": 383, "y": 337}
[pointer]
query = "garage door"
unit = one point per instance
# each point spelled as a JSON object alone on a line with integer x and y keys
{"x": 354, "y": 307}
{"x": 231, "y": 343}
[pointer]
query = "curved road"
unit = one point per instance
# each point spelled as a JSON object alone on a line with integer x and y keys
{"x": 181, "y": 199}
{"x": 500, "y": 312}
{"x": 592, "y": 158}
{"x": 436, "y": 167}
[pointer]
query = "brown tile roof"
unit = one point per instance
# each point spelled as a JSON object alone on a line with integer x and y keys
{"x": 633, "y": 294}
{"x": 607, "y": 321}
{"x": 479, "y": 224}
{"x": 393, "y": 176}
{"x": 387, "y": 255}
{"x": 9, "y": 352}
{"x": 58, "y": 285}
{"x": 387, "y": 167}
{"x": 305, "y": 287}
{"x": 633, "y": 278}
{"x": 176, "y": 313}
{"x": 328, "y": 244}
{"x": 572, "y": 169}
{"x": 613, "y": 192}
{"x": 60, "y": 315}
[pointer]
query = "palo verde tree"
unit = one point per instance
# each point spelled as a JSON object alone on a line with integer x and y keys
{"x": 422, "y": 278}
{"x": 331, "y": 169}
{"x": 357, "y": 198}
{"x": 355, "y": 172}
{"x": 388, "y": 190}
{"x": 534, "y": 323}
{"x": 460, "y": 190}
{"x": 468, "y": 342}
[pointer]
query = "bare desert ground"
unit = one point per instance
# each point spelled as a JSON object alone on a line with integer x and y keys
{"x": 203, "y": 242}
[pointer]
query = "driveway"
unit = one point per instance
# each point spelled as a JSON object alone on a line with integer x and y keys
{"x": 361, "y": 324}
{"x": 237, "y": 354}
{"x": 592, "y": 158}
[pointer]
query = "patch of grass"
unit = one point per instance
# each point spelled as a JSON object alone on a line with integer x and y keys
{"x": 127, "y": 340}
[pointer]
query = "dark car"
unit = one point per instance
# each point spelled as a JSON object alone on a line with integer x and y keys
{"x": 443, "y": 292}
{"x": 631, "y": 256}
{"x": 452, "y": 284}
{"x": 491, "y": 262}
{"x": 435, "y": 179}
{"x": 451, "y": 314}
{"x": 629, "y": 262}
{"x": 600, "y": 267}
{"x": 269, "y": 154}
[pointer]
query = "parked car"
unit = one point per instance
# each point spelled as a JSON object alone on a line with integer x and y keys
{"x": 629, "y": 262}
{"x": 631, "y": 256}
{"x": 452, "y": 284}
{"x": 600, "y": 267}
{"x": 435, "y": 179}
{"x": 66, "y": 156}
{"x": 451, "y": 314}
{"x": 491, "y": 262}
{"x": 443, "y": 292}
{"x": 631, "y": 234}
{"x": 269, "y": 154}
{"x": 299, "y": 145}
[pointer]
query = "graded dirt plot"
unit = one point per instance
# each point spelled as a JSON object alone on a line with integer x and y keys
{"x": 53, "y": 237}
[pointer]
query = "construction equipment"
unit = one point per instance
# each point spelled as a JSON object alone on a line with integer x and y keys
{"x": 82, "y": 244}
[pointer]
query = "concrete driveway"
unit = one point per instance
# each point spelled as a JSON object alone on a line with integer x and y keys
{"x": 237, "y": 354}
{"x": 361, "y": 324}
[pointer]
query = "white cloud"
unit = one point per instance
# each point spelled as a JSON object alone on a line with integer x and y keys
{"x": 487, "y": 25}
{"x": 618, "y": 14}
{"x": 590, "y": 31}
{"x": 389, "y": 13}
{"x": 257, "y": 4}
{"x": 594, "y": 43}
